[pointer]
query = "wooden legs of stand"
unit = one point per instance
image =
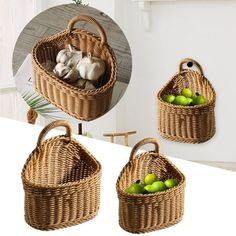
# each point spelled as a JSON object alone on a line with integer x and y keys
{"x": 126, "y": 135}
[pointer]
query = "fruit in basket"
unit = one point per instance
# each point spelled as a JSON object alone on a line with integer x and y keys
{"x": 150, "y": 178}
{"x": 170, "y": 183}
{"x": 189, "y": 100}
{"x": 199, "y": 100}
{"x": 169, "y": 98}
{"x": 135, "y": 188}
{"x": 187, "y": 92}
{"x": 148, "y": 188}
{"x": 181, "y": 100}
{"x": 158, "y": 186}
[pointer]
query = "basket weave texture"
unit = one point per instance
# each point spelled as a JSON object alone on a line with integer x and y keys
{"x": 61, "y": 180}
{"x": 79, "y": 103}
{"x": 140, "y": 213}
{"x": 190, "y": 124}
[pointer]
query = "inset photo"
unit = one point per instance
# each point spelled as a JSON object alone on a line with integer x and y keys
{"x": 71, "y": 62}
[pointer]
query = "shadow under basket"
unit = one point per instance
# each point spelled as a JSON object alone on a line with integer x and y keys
{"x": 189, "y": 124}
{"x": 140, "y": 213}
{"x": 61, "y": 180}
{"x": 81, "y": 104}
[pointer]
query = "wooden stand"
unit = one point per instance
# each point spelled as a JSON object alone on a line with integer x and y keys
{"x": 125, "y": 135}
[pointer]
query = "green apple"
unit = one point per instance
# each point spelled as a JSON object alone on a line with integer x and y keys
{"x": 169, "y": 98}
{"x": 187, "y": 92}
{"x": 158, "y": 186}
{"x": 170, "y": 183}
{"x": 150, "y": 178}
{"x": 148, "y": 188}
{"x": 180, "y": 100}
{"x": 135, "y": 189}
{"x": 199, "y": 100}
{"x": 189, "y": 100}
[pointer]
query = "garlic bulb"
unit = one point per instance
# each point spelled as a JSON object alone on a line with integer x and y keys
{"x": 91, "y": 68}
{"x": 72, "y": 76}
{"x": 84, "y": 84}
{"x": 69, "y": 57}
{"x": 89, "y": 86}
{"x": 60, "y": 70}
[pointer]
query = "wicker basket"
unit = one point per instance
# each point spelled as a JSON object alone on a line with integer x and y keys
{"x": 140, "y": 213}
{"x": 190, "y": 124}
{"x": 61, "y": 180}
{"x": 81, "y": 104}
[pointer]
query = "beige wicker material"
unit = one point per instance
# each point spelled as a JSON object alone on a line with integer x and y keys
{"x": 190, "y": 124}
{"x": 32, "y": 116}
{"x": 61, "y": 180}
{"x": 140, "y": 213}
{"x": 81, "y": 104}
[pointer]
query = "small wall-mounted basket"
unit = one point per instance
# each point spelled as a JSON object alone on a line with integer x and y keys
{"x": 140, "y": 213}
{"x": 61, "y": 180}
{"x": 190, "y": 124}
{"x": 79, "y": 103}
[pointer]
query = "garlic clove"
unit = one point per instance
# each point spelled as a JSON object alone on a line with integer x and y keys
{"x": 89, "y": 86}
{"x": 79, "y": 83}
{"x": 74, "y": 60}
{"x": 60, "y": 70}
{"x": 72, "y": 76}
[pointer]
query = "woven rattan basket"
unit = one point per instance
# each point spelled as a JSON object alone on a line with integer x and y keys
{"x": 81, "y": 104}
{"x": 190, "y": 124}
{"x": 140, "y": 213}
{"x": 61, "y": 180}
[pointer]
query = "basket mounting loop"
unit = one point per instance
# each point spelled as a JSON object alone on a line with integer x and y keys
{"x": 91, "y": 20}
{"x": 142, "y": 143}
{"x": 190, "y": 62}
{"x": 52, "y": 126}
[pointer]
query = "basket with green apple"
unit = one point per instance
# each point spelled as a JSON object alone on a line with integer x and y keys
{"x": 150, "y": 190}
{"x": 186, "y": 106}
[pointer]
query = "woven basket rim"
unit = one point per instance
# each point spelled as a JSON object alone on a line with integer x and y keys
{"x": 74, "y": 89}
{"x": 143, "y": 155}
{"x": 64, "y": 185}
{"x": 210, "y": 103}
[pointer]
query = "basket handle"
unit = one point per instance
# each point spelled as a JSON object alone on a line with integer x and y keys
{"x": 91, "y": 20}
{"x": 190, "y": 62}
{"x": 53, "y": 125}
{"x": 142, "y": 143}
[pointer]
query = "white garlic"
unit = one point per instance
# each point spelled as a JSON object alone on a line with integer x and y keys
{"x": 91, "y": 68}
{"x": 69, "y": 57}
{"x": 72, "y": 76}
{"x": 84, "y": 84}
{"x": 60, "y": 70}
{"x": 89, "y": 86}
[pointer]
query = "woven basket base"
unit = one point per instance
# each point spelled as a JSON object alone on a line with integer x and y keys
{"x": 63, "y": 225}
{"x": 186, "y": 140}
{"x": 73, "y": 114}
{"x": 162, "y": 226}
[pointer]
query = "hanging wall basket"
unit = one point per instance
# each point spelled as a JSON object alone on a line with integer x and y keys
{"x": 79, "y": 103}
{"x": 61, "y": 180}
{"x": 190, "y": 124}
{"x": 140, "y": 213}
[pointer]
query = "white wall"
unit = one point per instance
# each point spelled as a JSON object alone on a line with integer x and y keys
{"x": 203, "y": 30}
{"x": 12, "y": 22}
